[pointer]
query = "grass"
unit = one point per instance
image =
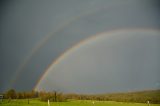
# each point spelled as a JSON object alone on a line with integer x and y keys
{"x": 36, "y": 102}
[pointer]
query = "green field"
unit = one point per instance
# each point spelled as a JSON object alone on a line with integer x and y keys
{"x": 36, "y": 102}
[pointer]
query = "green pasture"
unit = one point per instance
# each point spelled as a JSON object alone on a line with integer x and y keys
{"x": 36, "y": 102}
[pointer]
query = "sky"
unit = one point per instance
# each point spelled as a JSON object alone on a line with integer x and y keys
{"x": 119, "y": 61}
{"x": 34, "y": 34}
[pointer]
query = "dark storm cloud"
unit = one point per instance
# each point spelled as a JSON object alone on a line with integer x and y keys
{"x": 25, "y": 23}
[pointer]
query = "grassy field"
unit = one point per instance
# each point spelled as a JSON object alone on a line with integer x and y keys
{"x": 36, "y": 102}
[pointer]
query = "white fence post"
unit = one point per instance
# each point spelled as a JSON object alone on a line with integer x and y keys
{"x": 48, "y": 103}
{"x": 148, "y": 103}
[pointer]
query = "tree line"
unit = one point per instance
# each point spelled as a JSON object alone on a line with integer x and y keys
{"x": 42, "y": 95}
{"x": 153, "y": 96}
{"x": 141, "y": 97}
{"x": 12, "y": 94}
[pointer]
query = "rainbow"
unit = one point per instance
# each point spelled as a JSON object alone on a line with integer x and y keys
{"x": 83, "y": 42}
{"x": 41, "y": 43}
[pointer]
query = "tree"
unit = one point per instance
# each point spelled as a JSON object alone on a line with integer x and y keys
{"x": 20, "y": 95}
{"x": 11, "y": 94}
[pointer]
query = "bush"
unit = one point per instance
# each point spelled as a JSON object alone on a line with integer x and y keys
{"x": 52, "y": 96}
